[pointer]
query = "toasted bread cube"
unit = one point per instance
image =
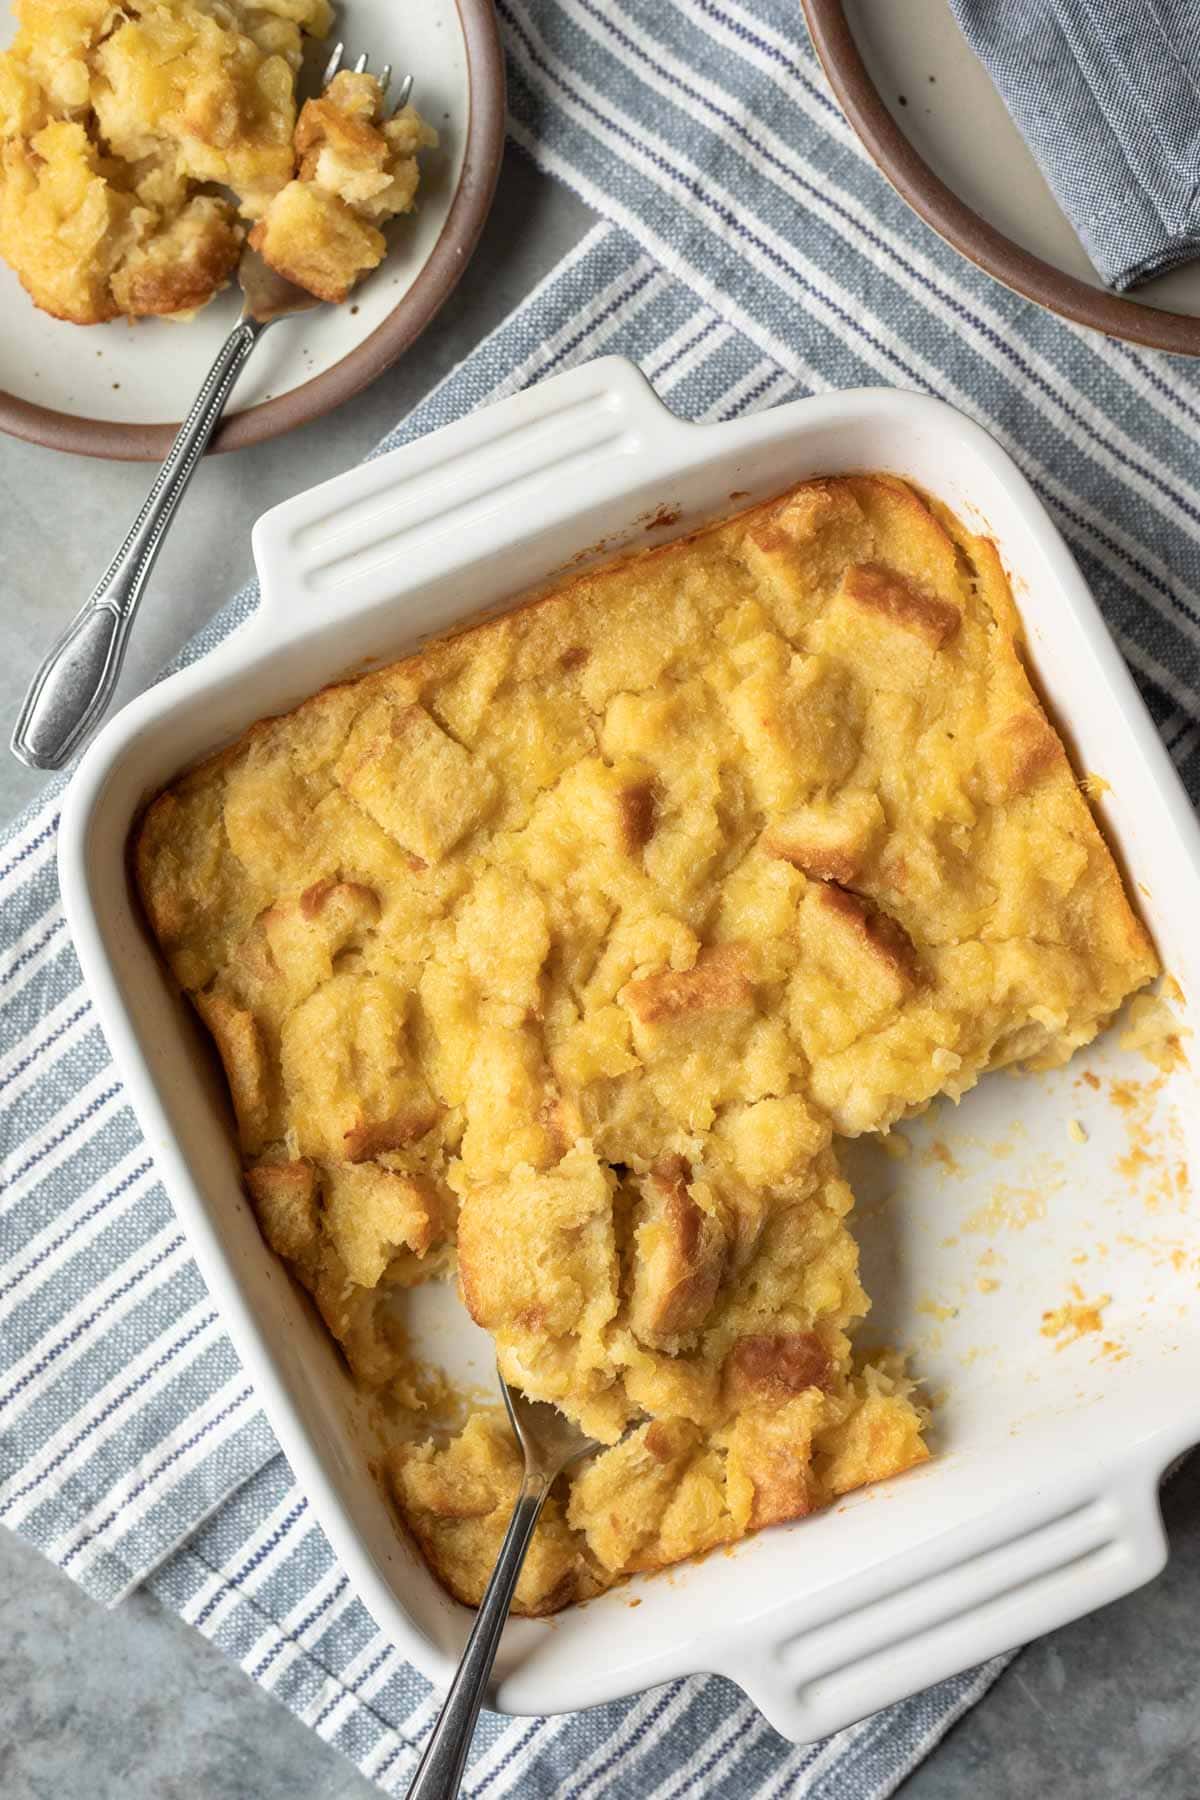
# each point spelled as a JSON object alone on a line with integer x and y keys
{"x": 769, "y": 1470}
{"x": 63, "y": 227}
{"x": 367, "y": 1334}
{"x": 457, "y": 1500}
{"x": 286, "y": 1199}
{"x": 503, "y": 937}
{"x": 375, "y": 1137}
{"x": 767, "y": 1369}
{"x": 886, "y": 598}
{"x": 717, "y": 982}
{"x": 414, "y": 780}
{"x": 596, "y": 808}
{"x": 371, "y": 1212}
{"x": 857, "y": 967}
{"x": 702, "y": 1040}
{"x": 828, "y": 839}
{"x": 344, "y": 150}
{"x": 536, "y": 1252}
{"x": 800, "y": 718}
{"x": 253, "y": 1085}
{"x": 312, "y": 238}
{"x": 1019, "y": 753}
{"x": 863, "y": 946}
{"x": 267, "y": 820}
{"x": 880, "y": 1434}
{"x": 887, "y": 628}
{"x": 355, "y": 1088}
{"x": 620, "y": 1497}
{"x": 679, "y": 1258}
{"x": 615, "y": 805}
{"x": 178, "y": 270}
{"x": 796, "y": 548}
{"x": 509, "y": 1103}
{"x": 306, "y": 933}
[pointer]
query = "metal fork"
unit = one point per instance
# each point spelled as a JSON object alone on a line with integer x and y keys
{"x": 71, "y": 690}
{"x": 550, "y": 1443}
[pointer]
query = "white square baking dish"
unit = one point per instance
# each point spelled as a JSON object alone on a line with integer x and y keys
{"x": 1041, "y": 1501}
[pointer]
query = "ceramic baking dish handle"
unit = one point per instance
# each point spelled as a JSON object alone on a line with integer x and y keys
{"x": 997, "y": 1584}
{"x": 383, "y": 529}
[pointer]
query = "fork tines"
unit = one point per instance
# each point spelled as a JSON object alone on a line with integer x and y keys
{"x": 360, "y": 65}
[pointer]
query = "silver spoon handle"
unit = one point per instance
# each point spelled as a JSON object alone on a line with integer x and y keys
{"x": 70, "y": 691}
{"x": 440, "y": 1770}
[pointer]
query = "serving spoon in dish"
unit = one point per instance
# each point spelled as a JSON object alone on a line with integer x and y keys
{"x": 549, "y": 1443}
{"x": 71, "y": 690}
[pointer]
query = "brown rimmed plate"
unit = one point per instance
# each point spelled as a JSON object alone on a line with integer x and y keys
{"x": 928, "y": 114}
{"x": 110, "y": 390}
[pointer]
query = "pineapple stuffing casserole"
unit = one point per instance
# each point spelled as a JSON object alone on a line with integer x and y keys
{"x": 140, "y": 138}
{"x": 559, "y": 956}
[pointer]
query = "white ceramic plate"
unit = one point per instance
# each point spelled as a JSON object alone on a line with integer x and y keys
{"x": 1041, "y": 1500}
{"x": 101, "y": 380}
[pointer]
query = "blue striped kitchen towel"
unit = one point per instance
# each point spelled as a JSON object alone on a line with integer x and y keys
{"x": 753, "y": 255}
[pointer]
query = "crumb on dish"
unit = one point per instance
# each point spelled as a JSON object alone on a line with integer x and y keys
{"x": 1075, "y": 1318}
{"x": 567, "y": 948}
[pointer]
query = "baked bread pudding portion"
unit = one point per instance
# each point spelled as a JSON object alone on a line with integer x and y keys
{"x": 137, "y": 135}
{"x": 561, "y": 954}
{"x": 356, "y": 170}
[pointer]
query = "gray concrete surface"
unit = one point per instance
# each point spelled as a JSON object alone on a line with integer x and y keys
{"x": 132, "y": 1705}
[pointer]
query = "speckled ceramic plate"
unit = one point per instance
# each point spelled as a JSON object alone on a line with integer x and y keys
{"x": 112, "y": 390}
{"x": 928, "y": 113}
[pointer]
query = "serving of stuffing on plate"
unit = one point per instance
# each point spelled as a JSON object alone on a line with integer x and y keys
{"x": 140, "y": 138}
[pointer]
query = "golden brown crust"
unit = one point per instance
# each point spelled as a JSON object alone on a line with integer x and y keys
{"x": 190, "y": 259}
{"x": 368, "y": 1140}
{"x": 871, "y": 929}
{"x": 316, "y": 241}
{"x": 767, "y": 1370}
{"x": 1018, "y": 753}
{"x": 285, "y": 1197}
{"x": 828, "y": 840}
{"x": 456, "y": 1503}
{"x": 883, "y": 592}
{"x": 239, "y": 1039}
{"x": 679, "y": 1259}
{"x": 717, "y": 982}
{"x": 636, "y": 811}
{"x": 354, "y": 172}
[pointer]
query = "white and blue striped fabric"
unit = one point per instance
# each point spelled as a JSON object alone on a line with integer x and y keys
{"x": 753, "y": 255}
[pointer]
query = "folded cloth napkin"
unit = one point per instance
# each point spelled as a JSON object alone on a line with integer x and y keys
{"x": 762, "y": 257}
{"x": 1106, "y": 93}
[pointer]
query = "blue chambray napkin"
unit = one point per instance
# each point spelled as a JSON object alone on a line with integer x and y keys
{"x": 1106, "y": 93}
